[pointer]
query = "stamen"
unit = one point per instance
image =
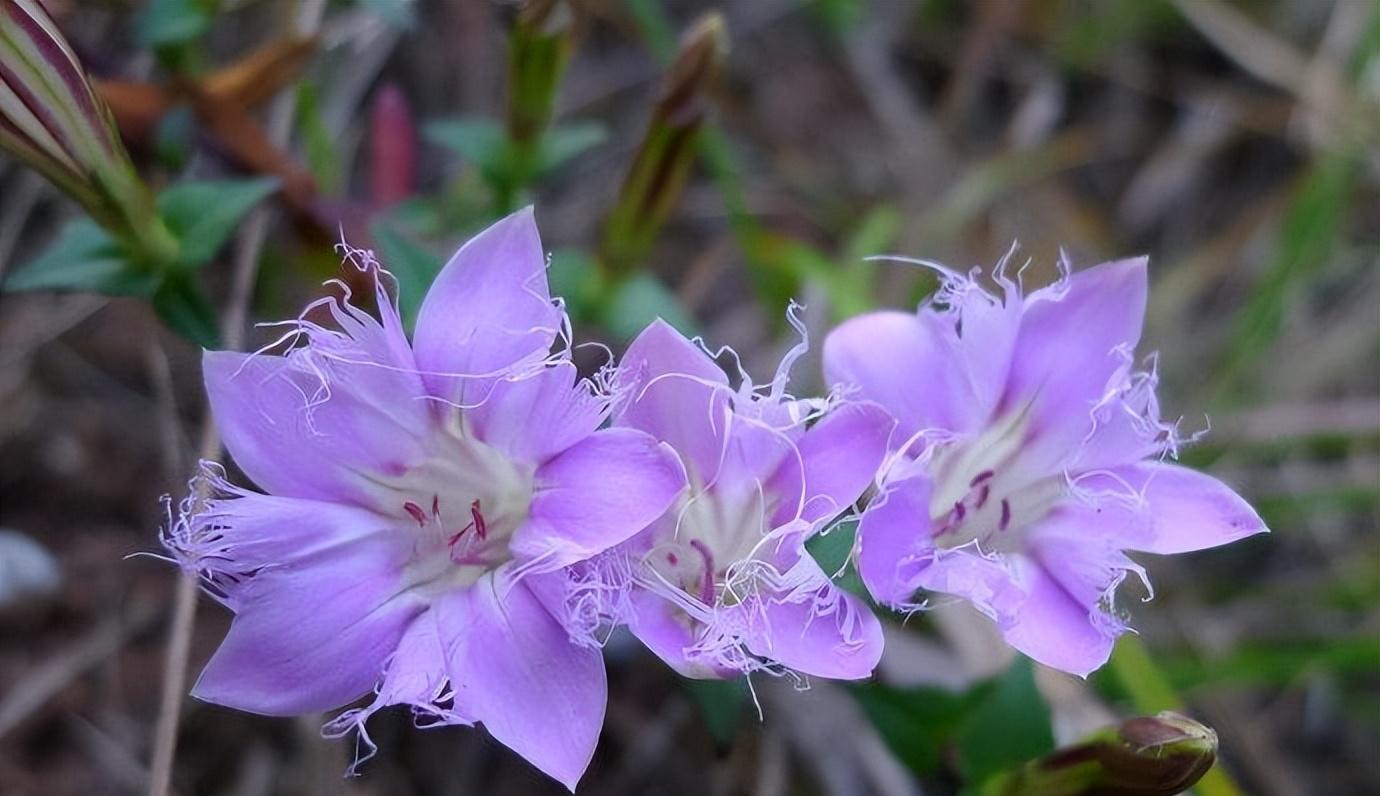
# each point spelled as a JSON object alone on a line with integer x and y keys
{"x": 457, "y": 536}
{"x": 416, "y": 512}
{"x": 707, "y": 582}
{"x": 983, "y": 494}
{"x": 672, "y": 559}
{"x": 959, "y": 511}
{"x": 1005, "y": 514}
{"x": 478, "y": 520}
{"x": 980, "y": 477}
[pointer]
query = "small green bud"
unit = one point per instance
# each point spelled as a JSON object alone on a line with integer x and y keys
{"x": 663, "y": 161}
{"x": 1144, "y": 756}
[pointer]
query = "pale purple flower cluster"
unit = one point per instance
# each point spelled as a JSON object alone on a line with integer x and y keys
{"x": 456, "y": 523}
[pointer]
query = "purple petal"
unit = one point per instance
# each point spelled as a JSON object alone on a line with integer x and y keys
{"x": 896, "y": 556}
{"x": 822, "y": 631}
{"x": 310, "y": 423}
{"x": 838, "y": 458}
{"x": 891, "y": 358}
{"x": 535, "y": 417}
{"x": 762, "y": 435}
{"x": 1074, "y": 546}
{"x": 1165, "y": 508}
{"x": 231, "y": 536}
{"x": 669, "y": 633}
{"x": 676, "y": 394}
{"x": 416, "y": 675}
{"x": 1069, "y": 349}
{"x": 985, "y": 581}
{"x": 312, "y": 634}
{"x": 489, "y": 310}
{"x": 893, "y": 530}
{"x": 1051, "y": 626}
{"x": 600, "y": 492}
{"x": 936, "y": 369}
{"x": 514, "y": 669}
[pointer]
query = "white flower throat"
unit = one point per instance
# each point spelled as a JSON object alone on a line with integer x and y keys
{"x": 463, "y": 503}
{"x": 714, "y": 535}
{"x": 983, "y": 494}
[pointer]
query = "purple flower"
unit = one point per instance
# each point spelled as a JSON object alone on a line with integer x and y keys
{"x": 721, "y": 584}
{"x": 417, "y": 497}
{"x": 1032, "y": 455}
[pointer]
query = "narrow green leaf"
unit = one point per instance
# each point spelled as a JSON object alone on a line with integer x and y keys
{"x": 202, "y": 215}
{"x": 83, "y": 257}
{"x": 182, "y": 305}
{"x": 1307, "y": 235}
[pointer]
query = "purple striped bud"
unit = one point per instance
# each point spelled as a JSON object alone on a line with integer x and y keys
{"x": 51, "y": 119}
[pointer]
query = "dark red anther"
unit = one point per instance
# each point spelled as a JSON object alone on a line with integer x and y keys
{"x": 983, "y": 494}
{"x": 980, "y": 477}
{"x": 707, "y": 582}
{"x": 435, "y": 505}
{"x": 416, "y": 512}
{"x": 672, "y": 559}
{"x": 959, "y": 511}
{"x": 1005, "y": 513}
{"x": 478, "y": 520}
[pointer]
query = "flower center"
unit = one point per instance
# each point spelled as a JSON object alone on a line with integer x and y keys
{"x": 983, "y": 495}
{"x": 714, "y": 536}
{"x": 462, "y": 505}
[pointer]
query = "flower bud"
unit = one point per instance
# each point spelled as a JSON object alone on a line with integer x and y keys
{"x": 51, "y": 119}
{"x": 1144, "y": 756}
{"x": 663, "y": 161}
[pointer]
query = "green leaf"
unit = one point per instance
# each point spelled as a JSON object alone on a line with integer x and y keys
{"x": 83, "y": 257}
{"x": 639, "y": 300}
{"x": 721, "y": 703}
{"x": 202, "y": 215}
{"x": 1009, "y": 726}
{"x": 169, "y": 22}
{"x": 175, "y": 137}
{"x": 482, "y": 142}
{"x": 831, "y": 550}
{"x": 182, "y": 305}
{"x": 398, "y": 14}
{"x": 563, "y": 143}
{"x": 411, "y": 264}
{"x": 916, "y": 723}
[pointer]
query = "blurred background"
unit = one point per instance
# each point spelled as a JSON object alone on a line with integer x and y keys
{"x": 707, "y": 162}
